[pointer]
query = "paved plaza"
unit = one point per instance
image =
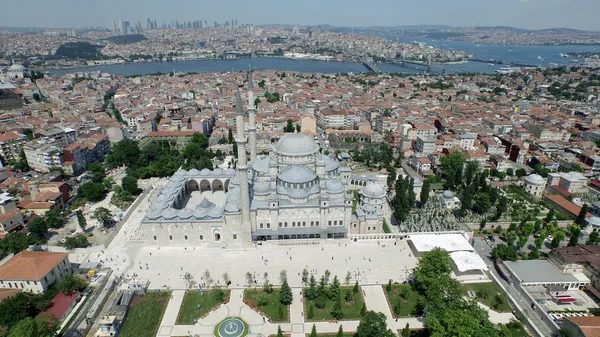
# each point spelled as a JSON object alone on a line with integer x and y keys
{"x": 372, "y": 263}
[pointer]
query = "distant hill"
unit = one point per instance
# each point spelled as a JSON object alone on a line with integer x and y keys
{"x": 79, "y": 50}
{"x": 126, "y": 39}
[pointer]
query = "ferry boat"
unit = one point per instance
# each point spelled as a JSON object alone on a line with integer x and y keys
{"x": 506, "y": 70}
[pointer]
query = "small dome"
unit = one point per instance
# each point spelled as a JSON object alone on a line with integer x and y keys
{"x": 334, "y": 186}
{"x": 373, "y": 190}
{"x": 418, "y": 183}
{"x": 330, "y": 164}
{"x": 448, "y": 194}
{"x": 296, "y": 145}
{"x": 185, "y": 213}
{"x": 169, "y": 213}
{"x": 194, "y": 172}
{"x": 594, "y": 221}
{"x": 264, "y": 135}
{"x": 535, "y": 179}
{"x": 205, "y": 172}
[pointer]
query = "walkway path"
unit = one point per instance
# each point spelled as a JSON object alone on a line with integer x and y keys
{"x": 170, "y": 317}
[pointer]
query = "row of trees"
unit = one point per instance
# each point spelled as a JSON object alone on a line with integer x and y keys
{"x": 405, "y": 198}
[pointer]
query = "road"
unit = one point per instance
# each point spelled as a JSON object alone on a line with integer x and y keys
{"x": 484, "y": 249}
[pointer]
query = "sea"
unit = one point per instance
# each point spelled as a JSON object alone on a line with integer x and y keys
{"x": 542, "y": 56}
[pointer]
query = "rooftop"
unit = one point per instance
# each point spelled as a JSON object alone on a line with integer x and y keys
{"x": 539, "y": 271}
{"x": 30, "y": 266}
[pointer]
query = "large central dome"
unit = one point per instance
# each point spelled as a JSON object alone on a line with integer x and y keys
{"x": 296, "y": 145}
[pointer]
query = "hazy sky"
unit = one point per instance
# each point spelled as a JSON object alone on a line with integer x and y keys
{"x": 581, "y": 14}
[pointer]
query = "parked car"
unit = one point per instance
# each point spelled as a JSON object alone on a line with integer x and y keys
{"x": 492, "y": 238}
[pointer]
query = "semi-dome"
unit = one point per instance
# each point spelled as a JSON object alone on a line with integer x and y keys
{"x": 330, "y": 164}
{"x": 334, "y": 186}
{"x": 262, "y": 187}
{"x": 296, "y": 145}
{"x": 373, "y": 190}
{"x": 535, "y": 179}
{"x": 297, "y": 175}
{"x": 448, "y": 194}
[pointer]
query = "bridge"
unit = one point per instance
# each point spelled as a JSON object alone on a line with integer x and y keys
{"x": 371, "y": 66}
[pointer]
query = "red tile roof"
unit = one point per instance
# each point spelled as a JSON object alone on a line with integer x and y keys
{"x": 30, "y": 266}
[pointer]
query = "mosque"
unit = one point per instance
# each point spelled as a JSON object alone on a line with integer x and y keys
{"x": 294, "y": 193}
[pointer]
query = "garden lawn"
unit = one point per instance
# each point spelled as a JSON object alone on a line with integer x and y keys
{"x": 350, "y": 310}
{"x": 188, "y": 312}
{"x": 408, "y": 307}
{"x": 271, "y": 308}
{"x": 145, "y": 313}
{"x": 500, "y": 305}
{"x": 330, "y": 334}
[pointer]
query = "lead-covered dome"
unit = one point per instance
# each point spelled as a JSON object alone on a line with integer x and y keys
{"x": 296, "y": 145}
{"x": 535, "y": 179}
{"x": 373, "y": 190}
{"x": 297, "y": 175}
{"x": 334, "y": 186}
{"x": 448, "y": 194}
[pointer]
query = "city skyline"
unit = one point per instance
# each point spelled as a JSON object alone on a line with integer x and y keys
{"x": 528, "y": 14}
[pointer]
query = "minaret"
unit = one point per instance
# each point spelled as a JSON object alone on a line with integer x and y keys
{"x": 242, "y": 164}
{"x": 251, "y": 117}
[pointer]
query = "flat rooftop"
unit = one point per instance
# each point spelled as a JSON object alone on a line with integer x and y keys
{"x": 541, "y": 271}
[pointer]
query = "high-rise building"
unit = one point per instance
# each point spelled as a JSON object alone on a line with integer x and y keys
{"x": 114, "y": 27}
{"x": 125, "y": 27}
{"x": 148, "y": 24}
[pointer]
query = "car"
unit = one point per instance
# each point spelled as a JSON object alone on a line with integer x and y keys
{"x": 503, "y": 238}
{"x": 95, "y": 278}
{"x": 492, "y": 238}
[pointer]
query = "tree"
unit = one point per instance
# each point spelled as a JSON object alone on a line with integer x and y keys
{"x": 311, "y": 311}
{"x": 71, "y": 283}
{"x": 311, "y": 291}
{"x": 538, "y": 242}
{"x": 504, "y": 252}
{"x": 129, "y": 184}
{"x": 340, "y": 332}
{"x": 285, "y": 294}
{"x": 522, "y": 241}
{"x": 509, "y": 172}
{"x": 79, "y": 241}
{"x": 580, "y": 220}
{"x": 125, "y": 152}
{"x": 559, "y": 235}
{"x": 471, "y": 169}
{"x": 81, "y": 220}
{"x": 355, "y": 288}
{"x": 92, "y": 191}
{"x": 391, "y": 178}
{"x": 593, "y": 238}
{"x": 289, "y": 127}
{"x": 425, "y": 191}
{"x": 373, "y": 324}
{"x": 453, "y": 168}
{"x": 15, "y": 242}
{"x": 38, "y": 227}
{"x": 564, "y": 332}
{"x": 406, "y": 331}
{"x": 431, "y": 265}
{"x": 279, "y": 332}
{"x": 388, "y": 287}
{"x": 256, "y": 101}
{"x": 521, "y": 172}
{"x": 298, "y": 128}
{"x": 103, "y": 215}
{"x": 230, "y": 136}
{"x": 574, "y": 238}
{"x": 313, "y": 331}
{"x": 336, "y": 312}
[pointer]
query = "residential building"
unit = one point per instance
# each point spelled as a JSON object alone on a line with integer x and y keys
{"x": 586, "y": 326}
{"x": 425, "y": 145}
{"x": 34, "y": 271}
{"x": 572, "y": 182}
{"x": 42, "y": 157}
{"x": 10, "y": 145}
{"x": 329, "y": 119}
{"x": 87, "y": 151}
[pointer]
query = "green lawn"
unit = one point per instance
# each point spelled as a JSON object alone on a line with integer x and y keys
{"x": 346, "y": 334}
{"x": 498, "y": 303}
{"x": 145, "y": 313}
{"x": 386, "y": 229}
{"x": 207, "y": 300}
{"x": 517, "y": 330}
{"x": 271, "y": 308}
{"x": 350, "y": 310}
{"x": 409, "y": 307}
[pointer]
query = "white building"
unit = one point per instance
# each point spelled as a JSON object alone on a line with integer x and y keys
{"x": 34, "y": 271}
{"x": 42, "y": 157}
{"x": 535, "y": 185}
{"x": 449, "y": 201}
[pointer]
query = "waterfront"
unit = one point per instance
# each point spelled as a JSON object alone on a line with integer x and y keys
{"x": 523, "y": 54}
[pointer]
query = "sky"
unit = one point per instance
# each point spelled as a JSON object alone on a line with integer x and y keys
{"x": 530, "y": 14}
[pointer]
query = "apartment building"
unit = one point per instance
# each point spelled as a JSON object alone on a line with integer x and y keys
{"x": 42, "y": 157}
{"x": 34, "y": 271}
{"x": 10, "y": 145}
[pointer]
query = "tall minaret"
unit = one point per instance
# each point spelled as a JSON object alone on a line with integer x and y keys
{"x": 251, "y": 117}
{"x": 242, "y": 164}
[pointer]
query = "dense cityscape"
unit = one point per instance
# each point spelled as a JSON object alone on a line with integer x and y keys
{"x": 420, "y": 202}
